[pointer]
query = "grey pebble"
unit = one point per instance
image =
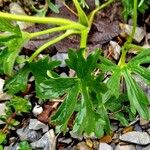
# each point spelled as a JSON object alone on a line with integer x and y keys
{"x": 125, "y": 147}
{"x": 61, "y": 57}
{"x": 36, "y": 125}
{"x": 140, "y": 138}
{"x": 105, "y": 146}
{"x": 146, "y": 148}
{"x": 47, "y": 142}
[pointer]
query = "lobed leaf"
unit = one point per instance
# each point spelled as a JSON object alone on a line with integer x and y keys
{"x": 66, "y": 109}
{"x": 136, "y": 96}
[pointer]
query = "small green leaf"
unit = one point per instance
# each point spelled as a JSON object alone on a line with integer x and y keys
{"x": 11, "y": 53}
{"x": 1, "y": 147}
{"x": 82, "y": 16}
{"x": 2, "y": 137}
{"x": 18, "y": 82}
{"x": 24, "y": 145}
{"x": 65, "y": 111}
{"x": 53, "y": 7}
{"x": 120, "y": 116}
{"x": 20, "y": 105}
{"x": 7, "y": 26}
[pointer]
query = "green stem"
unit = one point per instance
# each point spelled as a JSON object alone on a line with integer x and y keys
{"x": 92, "y": 14}
{"x": 83, "y": 41}
{"x": 122, "y": 60}
{"x": 39, "y": 50}
{"x": 48, "y": 31}
{"x": 134, "y": 22}
{"x": 48, "y": 20}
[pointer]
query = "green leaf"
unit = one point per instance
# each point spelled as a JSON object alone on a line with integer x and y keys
{"x": 106, "y": 65}
{"x": 77, "y": 62}
{"x": 54, "y": 87}
{"x": 136, "y": 96}
{"x": 24, "y": 145}
{"x": 82, "y": 66}
{"x": 7, "y": 26}
{"x": 11, "y": 53}
{"x": 2, "y": 137}
{"x": 82, "y": 16}
{"x": 120, "y": 116}
{"x": 66, "y": 109}
{"x": 53, "y": 7}
{"x": 1, "y": 147}
{"x": 39, "y": 70}
{"x": 20, "y": 105}
{"x": 92, "y": 60}
{"x": 19, "y": 81}
{"x": 114, "y": 83}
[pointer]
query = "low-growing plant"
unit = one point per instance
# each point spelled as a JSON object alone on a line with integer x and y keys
{"x": 88, "y": 95}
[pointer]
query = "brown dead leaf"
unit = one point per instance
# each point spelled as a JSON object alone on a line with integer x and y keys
{"x": 48, "y": 108}
{"x": 106, "y": 139}
{"x": 127, "y": 129}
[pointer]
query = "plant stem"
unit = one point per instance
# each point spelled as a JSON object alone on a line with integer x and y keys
{"x": 48, "y": 20}
{"x": 39, "y": 50}
{"x": 92, "y": 14}
{"x": 134, "y": 22}
{"x": 83, "y": 41}
{"x": 5, "y": 129}
{"x": 129, "y": 40}
{"x": 122, "y": 60}
{"x": 48, "y": 31}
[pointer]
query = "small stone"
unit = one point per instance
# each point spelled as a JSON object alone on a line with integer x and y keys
{"x": 64, "y": 140}
{"x": 83, "y": 146}
{"x": 146, "y": 148}
{"x": 115, "y": 49}
{"x": 141, "y": 138}
{"x": 127, "y": 30}
{"x": 76, "y": 136}
{"x": 137, "y": 127}
{"x": 37, "y": 110}
{"x": 33, "y": 136}
{"x": 105, "y": 146}
{"x": 148, "y": 130}
{"x": 36, "y": 125}
{"x": 138, "y": 147}
{"x": 61, "y": 57}
{"x": 22, "y": 133}
{"x": 2, "y": 82}
{"x": 63, "y": 74}
{"x": 1, "y": 3}
{"x": 2, "y": 111}
{"x": 122, "y": 146}
{"x": 47, "y": 142}
{"x": 143, "y": 122}
{"x": 15, "y": 8}
{"x": 89, "y": 143}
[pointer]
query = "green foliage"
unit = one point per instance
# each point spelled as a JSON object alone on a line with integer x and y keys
{"x": 2, "y": 137}
{"x": 87, "y": 96}
{"x": 143, "y": 5}
{"x": 12, "y": 44}
{"x": 138, "y": 100}
{"x": 24, "y": 145}
{"x": 39, "y": 69}
{"x": 20, "y": 105}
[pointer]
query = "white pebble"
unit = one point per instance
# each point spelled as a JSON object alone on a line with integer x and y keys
{"x": 37, "y": 110}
